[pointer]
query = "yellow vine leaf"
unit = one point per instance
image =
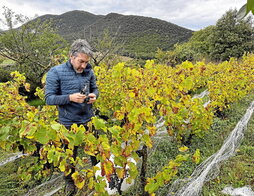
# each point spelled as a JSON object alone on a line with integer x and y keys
{"x": 120, "y": 172}
{"x": 183, "y": 149}
{"x": 78, "y": 180}
{"x": 196, "y": 157}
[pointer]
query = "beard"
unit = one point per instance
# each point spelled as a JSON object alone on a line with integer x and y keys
{"x": 79, "y": 70}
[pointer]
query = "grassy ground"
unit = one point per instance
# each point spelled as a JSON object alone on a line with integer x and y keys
{"x": 10, "y": 183}
{"x": 36, "y": 102}
{"x": 237, "y": 171}
{"x": 4, "y": 155}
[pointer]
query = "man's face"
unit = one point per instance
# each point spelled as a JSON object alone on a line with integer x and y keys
{"x": 80, "y": 62}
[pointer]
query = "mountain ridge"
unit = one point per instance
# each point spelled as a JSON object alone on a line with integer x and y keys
{"x": 141, "y": 35}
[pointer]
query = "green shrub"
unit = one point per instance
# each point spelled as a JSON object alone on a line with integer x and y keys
{"x": 5, "y": 73}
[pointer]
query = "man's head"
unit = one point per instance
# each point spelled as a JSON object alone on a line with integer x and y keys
{"x": 80, "y": 53}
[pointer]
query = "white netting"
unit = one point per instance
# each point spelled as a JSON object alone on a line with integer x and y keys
{"x": 48, "y": 188}
{"x": 160, "y": 124}
{"x": 210, "y": 168}
{"x": 12, "y": 157}
{"x": 201, "y": 95}
{"x": 243, "y": 191}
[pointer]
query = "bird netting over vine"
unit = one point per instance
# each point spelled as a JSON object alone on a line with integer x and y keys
{"x": 209, "y": 168}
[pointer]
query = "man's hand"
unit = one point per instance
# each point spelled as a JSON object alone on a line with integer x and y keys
{"x": 92, "y": 98}
{"x": 77, "y": 97}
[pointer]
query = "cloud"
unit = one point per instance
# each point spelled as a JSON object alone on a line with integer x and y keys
{"x": 203, "y": 13}
{"x": 193, "y": 14}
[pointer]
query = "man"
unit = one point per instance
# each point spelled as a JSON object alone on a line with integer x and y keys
{"x": 65, "y": 82}
{"x": 64, "y": 86}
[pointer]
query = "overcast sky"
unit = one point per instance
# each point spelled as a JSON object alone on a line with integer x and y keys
{"x": 192, "y": 14}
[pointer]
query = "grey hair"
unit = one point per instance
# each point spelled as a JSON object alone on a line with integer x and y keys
{"x": 80, "y": 46}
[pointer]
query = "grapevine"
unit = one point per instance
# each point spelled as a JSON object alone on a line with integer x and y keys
{"x": 133, "y": 99}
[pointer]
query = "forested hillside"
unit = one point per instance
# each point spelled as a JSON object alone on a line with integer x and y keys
{"x": 140, "y": 36}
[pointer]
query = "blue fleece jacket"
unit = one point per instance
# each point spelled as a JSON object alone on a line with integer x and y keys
{"x": 61, "y": 81}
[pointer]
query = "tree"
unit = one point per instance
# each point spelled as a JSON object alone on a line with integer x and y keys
{"x": 106, "y": 46}
{"x": 166, "y": 57}
{"x": 32, "y": 46}
{"x": 197, "y": 48}
{"x": 231, "y": 38}
{"x": 200, "y": 42}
